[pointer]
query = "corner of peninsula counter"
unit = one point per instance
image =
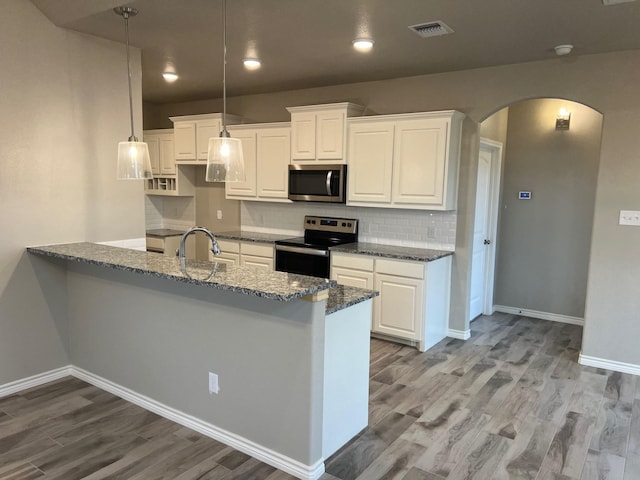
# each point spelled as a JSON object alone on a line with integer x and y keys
{"x": 291, "y": 357}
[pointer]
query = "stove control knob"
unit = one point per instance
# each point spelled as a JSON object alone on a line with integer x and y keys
{"x": 344, "y": 224}
{"x": 348, "y": 224}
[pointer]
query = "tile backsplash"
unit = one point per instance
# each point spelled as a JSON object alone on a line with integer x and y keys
{"x": 178, "y": 213}
{"x": 409, "y": 228}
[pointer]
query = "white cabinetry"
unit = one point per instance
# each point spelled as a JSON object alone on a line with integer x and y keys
{"x": 318, "y": 132}
{"x": 230, "y": 253}
{"x": 256, "y": 255}
{"x": 266, "y": 149}
{"x": 405, "y": 161}
{"x": 237, "y": 253}
{"x": 167, "y": 179}
{"x": 161, "y": 152}
{"x": 192, "y": 134}
{"x": 414, "y": 296}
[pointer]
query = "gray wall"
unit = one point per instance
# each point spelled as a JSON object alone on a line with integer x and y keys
{"x": 64, "y": 110}
{"x": 162, "y": 337}
{"x": 606, "y": 82}
{"x": 544, "y": 242}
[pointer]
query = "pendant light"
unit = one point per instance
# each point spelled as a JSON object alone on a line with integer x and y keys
{"x": 225, "y": 162}
{"x": 133, "y": 156}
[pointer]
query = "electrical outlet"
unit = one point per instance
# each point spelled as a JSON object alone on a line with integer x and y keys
{"x": 431, "y": 232}
{"x": 214, "y": 388}
{"x": 219, "y": 214}
{"x": 630, "y": 217}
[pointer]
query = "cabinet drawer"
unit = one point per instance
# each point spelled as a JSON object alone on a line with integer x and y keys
{"x": 154, "y": 242}
{"x": 229, "y": 246}
{"x": 400, "y": 268}
{"x": 257, "y": 249}
{"x": 357, "y": 262}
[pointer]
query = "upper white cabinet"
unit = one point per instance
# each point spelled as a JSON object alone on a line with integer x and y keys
{"x": 192, "y": 134}
{"x": 405, "y": 161}
{"x": 266, "y": 149}
{"x": 370, "y": 163}
{"x": 161, "y": 153}
{"x": 318, "y": 132}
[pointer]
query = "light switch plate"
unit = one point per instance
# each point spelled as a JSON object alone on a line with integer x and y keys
{"x": 630, "y": 217}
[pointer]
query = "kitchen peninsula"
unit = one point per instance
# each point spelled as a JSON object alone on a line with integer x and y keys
{"x": 291, "y": 353}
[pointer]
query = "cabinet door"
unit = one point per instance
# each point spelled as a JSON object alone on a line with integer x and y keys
{"x": 232, "y": 259}
{"x": 260, "y": 262}
{"x": 419, "y": 163}
{"x": 303, "y": 136}
{"x": 153, "y": 143}
{"x": 370, "y": 157}
{"x": 248, "y": 187}
{"x": 352, "y": 278}
{"x": 399, "y": 308}
{"x": 273, "y": 154}
{"x": 184, "y": 140}
{"x": 330, "y": 130}
{"x": 167, "y": 155}
{"x": 205, "y": 129}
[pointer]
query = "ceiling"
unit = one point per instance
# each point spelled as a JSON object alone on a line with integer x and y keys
{"x": 307, "y": 43}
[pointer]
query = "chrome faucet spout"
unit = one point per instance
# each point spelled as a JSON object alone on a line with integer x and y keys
{"x": 215, "y": 248}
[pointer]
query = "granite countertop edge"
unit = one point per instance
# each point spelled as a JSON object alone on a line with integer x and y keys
{"x": 249, "y": 236}
{"x": 341, "y": 297}
{"x": 392, "y": 251}
{"x": 42, "y": 250}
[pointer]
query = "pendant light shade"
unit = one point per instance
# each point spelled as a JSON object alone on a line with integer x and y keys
{"x": 133, "y": 161}
{"x": 225, "y": 161}
{"x": 133, "y": 156}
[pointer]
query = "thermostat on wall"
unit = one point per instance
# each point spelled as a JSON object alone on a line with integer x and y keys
{"x": 524, "y": 195}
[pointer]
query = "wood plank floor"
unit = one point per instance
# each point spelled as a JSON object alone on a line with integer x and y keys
{"x": 510, "y": 403}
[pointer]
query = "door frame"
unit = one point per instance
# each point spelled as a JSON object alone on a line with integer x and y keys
{"x": 492, "y": 220}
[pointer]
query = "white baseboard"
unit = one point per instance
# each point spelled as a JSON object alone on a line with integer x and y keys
{"x": 554, "y": 317}
{"x": 460, "y": 334}
{"x": 277, "y": 460}
{"x": 609, "y": 364}
{"x": 34, "y": 381}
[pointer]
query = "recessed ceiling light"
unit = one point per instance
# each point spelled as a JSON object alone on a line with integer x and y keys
{"x": 170, "y": 77}
{"x": 363, "y": 44}
{"x": 563, "y": 49}
{"x": 251, "y": 63}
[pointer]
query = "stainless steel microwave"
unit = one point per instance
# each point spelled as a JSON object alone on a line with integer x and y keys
{"x": 318, "y": 183}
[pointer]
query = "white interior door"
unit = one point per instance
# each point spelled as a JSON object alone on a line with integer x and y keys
{"x": 485, "y": 223}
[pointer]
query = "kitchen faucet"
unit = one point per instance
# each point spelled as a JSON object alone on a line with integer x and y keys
{"x": 215, "y": 249}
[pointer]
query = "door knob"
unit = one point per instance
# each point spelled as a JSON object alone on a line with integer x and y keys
{"x": 487, "y": 242}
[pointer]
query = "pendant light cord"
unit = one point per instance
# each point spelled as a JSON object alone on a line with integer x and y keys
{"x": 125, "y": 15}
{"x": 224, "y": 132}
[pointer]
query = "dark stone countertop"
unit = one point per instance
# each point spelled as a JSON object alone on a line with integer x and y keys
{"x": 164, "y": 232}
{"x": 248, "y": 236}
{"x": 392, "y": 251}
{"x": 342, "y": 296}
{"x": 245, "y": 280}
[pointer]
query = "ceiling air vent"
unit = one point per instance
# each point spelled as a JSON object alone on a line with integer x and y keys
{"x": 431, "y": 29}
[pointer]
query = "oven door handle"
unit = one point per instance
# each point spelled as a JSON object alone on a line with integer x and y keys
{"x": 304, "y": 251}
{"x": 328, "y": 182}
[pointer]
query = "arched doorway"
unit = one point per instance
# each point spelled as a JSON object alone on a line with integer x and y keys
{"x": 546, "y": 207}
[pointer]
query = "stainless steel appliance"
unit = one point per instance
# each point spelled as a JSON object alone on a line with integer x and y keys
{"x": 318, "y": 183}
{"x": 309, "y": 255}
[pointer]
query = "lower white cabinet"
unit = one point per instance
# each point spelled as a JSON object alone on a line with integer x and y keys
{"x": 230, "y": 253}
{"x": 413, "y": 304}
{"x": 237, "y": 253}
